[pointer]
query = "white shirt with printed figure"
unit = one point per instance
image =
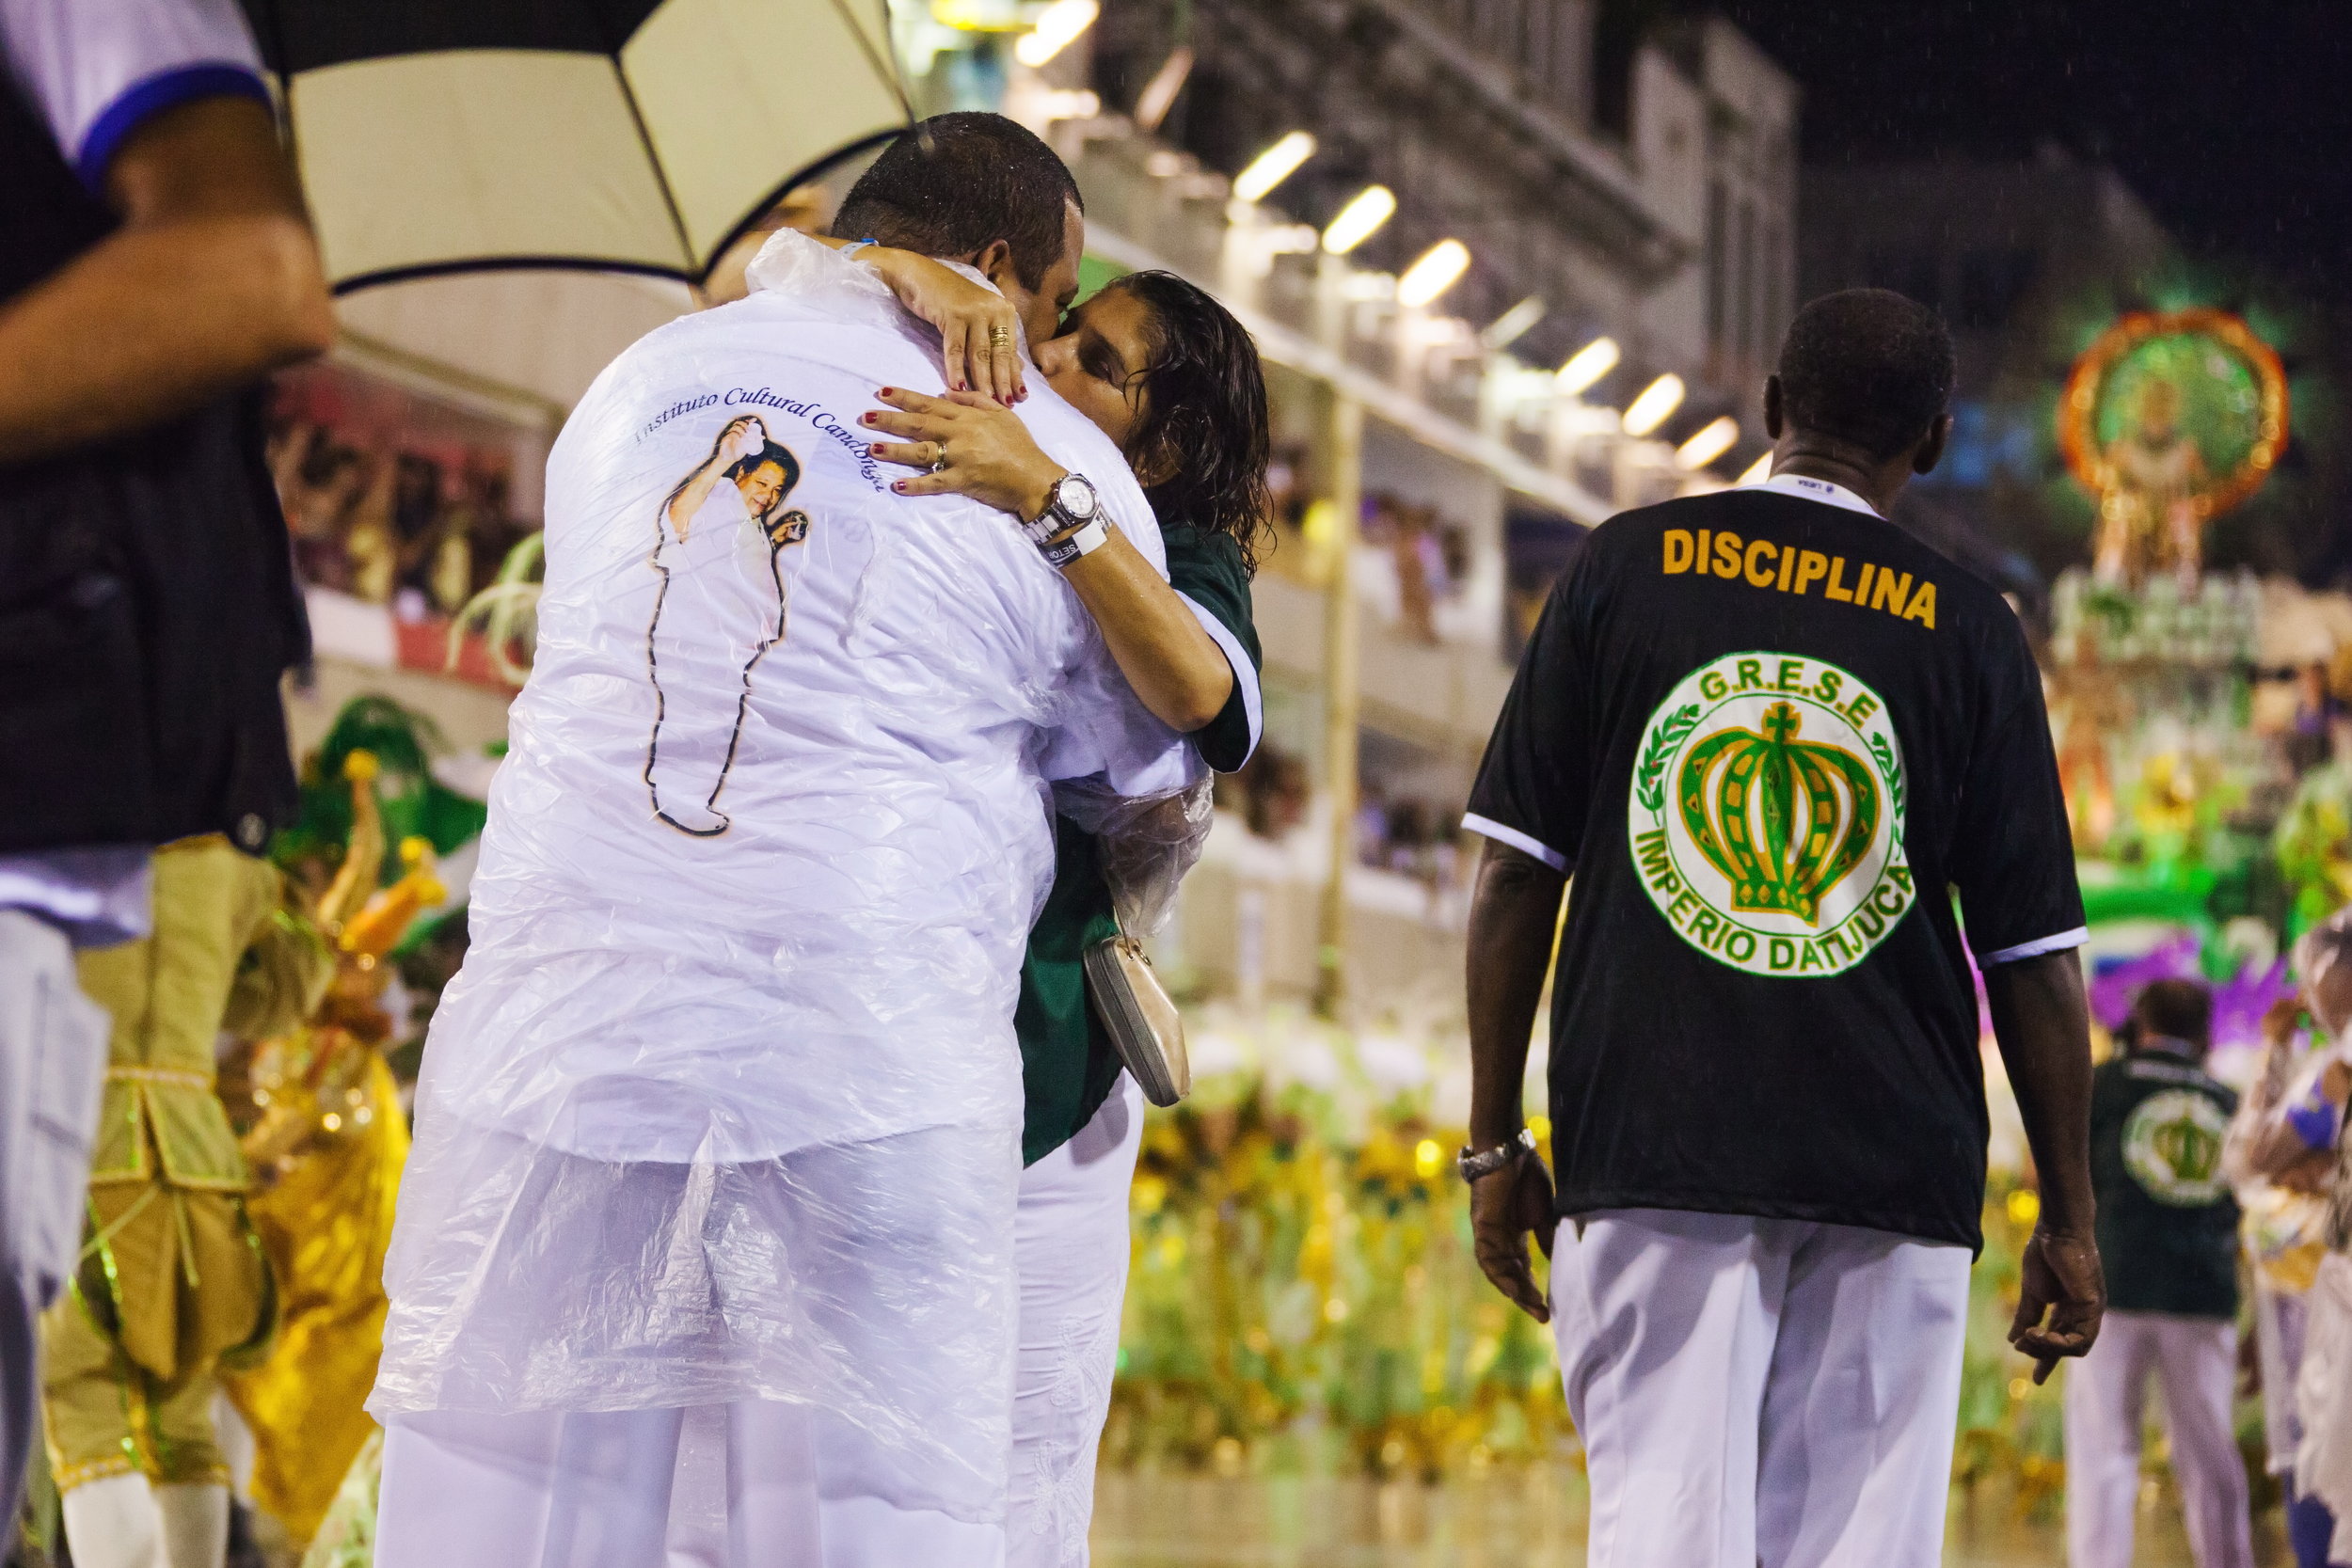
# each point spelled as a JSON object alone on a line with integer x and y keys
{"x": 735, "y": 1114}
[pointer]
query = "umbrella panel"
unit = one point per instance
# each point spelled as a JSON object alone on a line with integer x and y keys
{"x": 437, "y": 136}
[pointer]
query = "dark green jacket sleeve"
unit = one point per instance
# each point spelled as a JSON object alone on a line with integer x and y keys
{"x": 1206, "y": 570}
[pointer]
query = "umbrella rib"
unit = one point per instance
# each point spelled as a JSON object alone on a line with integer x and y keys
{"x": 661, "y": 175}
{"x": 886, "y": 69}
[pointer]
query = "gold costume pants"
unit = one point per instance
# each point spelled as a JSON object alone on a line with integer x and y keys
{"x": 171, "y": 1281}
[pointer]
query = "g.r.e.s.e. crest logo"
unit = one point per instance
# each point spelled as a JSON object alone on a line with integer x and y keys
{"x": 2172, "y": 1148}
{"x": 1766, "y": 817}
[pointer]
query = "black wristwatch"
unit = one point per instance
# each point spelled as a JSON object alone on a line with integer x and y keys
{"x": 1486, "y": 1162}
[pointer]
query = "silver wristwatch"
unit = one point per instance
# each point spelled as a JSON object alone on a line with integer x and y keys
{"x": 1072, "y": 504}
{"x": 1486, "y": 1162}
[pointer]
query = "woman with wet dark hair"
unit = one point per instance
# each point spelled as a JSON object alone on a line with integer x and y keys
{"x": 1171, "y": 377}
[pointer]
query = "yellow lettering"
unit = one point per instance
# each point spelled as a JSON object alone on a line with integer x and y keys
{"x": 1812, "y": 566}
{"x": 1751, "y": 673}
{"x": 1702, "y": 560}
{"x": 1892, "y": 592}
{"x": 1862, "y": 584}
{"x": 1764, "y": 547}
{"x": 1677, "y": 550}
{"x": 1923, "y": 605}
{"x": 1727, "y": 554}
{"x": 1837, "y": 588}
{"x": 1788, "y": 564}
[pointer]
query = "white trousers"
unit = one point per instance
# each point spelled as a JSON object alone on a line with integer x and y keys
{"x": 1069, "y": 1244}
{"x": 1759, "y": 1392}
{"x": 2196, "y": 1359}
{"x": 53, "y": 1063}
{"x": 767, "y": 1485}
{"x": 749, "y": 1485}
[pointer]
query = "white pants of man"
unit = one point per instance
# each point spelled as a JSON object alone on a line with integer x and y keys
{"x": 1070, "y": 1241}
{"x": 749, "y": 1485}
{"x": 1756, "y": 1391}
{"x": 2196, "y": 1358}
{"x": 53, "y": 1062}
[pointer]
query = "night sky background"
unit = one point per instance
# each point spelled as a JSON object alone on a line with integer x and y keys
{"x": 2230, "y": 118}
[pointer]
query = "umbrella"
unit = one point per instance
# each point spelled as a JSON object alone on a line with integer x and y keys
{"x": 637, "y": 135}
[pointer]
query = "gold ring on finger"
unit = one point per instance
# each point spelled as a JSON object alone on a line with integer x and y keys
{"x": 939, "y": 455}
{"x": 999, "y": 337}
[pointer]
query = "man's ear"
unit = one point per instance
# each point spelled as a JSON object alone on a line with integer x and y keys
{"x": 1776, "y": 407}
{"x": 1929, "y": 452}
{"x": 994, "y": 262}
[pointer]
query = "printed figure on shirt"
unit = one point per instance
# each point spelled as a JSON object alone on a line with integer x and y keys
{"x": 723, "y": 605}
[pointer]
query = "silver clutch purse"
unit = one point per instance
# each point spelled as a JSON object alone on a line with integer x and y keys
{"x": 1144, "y": 1026}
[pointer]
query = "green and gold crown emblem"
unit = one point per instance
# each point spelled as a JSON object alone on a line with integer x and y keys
{"x": 1769, "y": 811}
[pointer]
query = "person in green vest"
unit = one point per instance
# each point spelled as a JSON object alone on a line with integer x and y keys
{"x": 1169, "y": 376}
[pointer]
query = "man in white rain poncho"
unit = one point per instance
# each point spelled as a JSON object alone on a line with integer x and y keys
{"x": 718, "y": 1133}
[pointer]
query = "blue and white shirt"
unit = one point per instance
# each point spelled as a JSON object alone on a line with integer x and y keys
{"x": 95, "y": 70}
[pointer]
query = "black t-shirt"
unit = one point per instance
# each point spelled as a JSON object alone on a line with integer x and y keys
{"x": 2167, "y": 1225}
{"x": 1770, "y": 734}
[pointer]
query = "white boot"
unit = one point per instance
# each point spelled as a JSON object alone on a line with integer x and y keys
{"x": 114, "y": 1523}
{"x": 196, "y": 1525}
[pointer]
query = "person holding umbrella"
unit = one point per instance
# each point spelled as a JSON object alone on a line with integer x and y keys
{"x": 155, "y": 262}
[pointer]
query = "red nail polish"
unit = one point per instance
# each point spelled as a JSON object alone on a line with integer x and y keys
{"x": 899, "y": 486}
{"x": 888, "y": 390}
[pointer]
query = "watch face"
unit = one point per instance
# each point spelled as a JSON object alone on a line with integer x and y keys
{"x": 1074, "y": 495}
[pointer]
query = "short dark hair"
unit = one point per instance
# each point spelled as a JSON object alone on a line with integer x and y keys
{"x": 956, "y": 183}
{"x": 744, "y": 467}
{"x": 1867, "y": 366}
{"x": 1205, "y": 420}
{"x": 2177, "y": 1009}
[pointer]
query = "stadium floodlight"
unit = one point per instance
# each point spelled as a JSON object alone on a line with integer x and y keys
{"x": 1439, "y": 268}
{"x": 1711, "y": 442}
{"x": 1587, "y": 365}
{"x": 1759, "y": 471}
{"x": 1513, "y": 324}
{"x": 1058, "y": 26}
{"x": 1277, "y": 164}
{"x": 1360, "y": 220}
{"x": 1659, "y": 398}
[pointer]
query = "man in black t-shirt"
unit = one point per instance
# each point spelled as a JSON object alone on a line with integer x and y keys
{"x": 2168, "y": 1234}
{"x": 1770, "y": 734}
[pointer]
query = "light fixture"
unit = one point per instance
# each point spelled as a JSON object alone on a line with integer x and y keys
{"x": 1711, "y": 442}
{"x": 1587, "y": 365}
{"x": 1274, "y": 166}
{"x": 1360, "y": 220}
{"x": 1159, "y": 94}
{"x": 1759, "y": 471}
{"x": 1513, "y": 324}
{"x": 1057, "y": 25}
{"x": 1439, "y": 268}
{"x": 1659, "y": 398}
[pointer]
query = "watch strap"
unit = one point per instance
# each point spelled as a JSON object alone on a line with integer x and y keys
{"x": 1486, "y": 1162}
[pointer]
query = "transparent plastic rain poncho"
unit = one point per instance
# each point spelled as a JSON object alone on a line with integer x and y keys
{"x": 725, "y": 1103}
